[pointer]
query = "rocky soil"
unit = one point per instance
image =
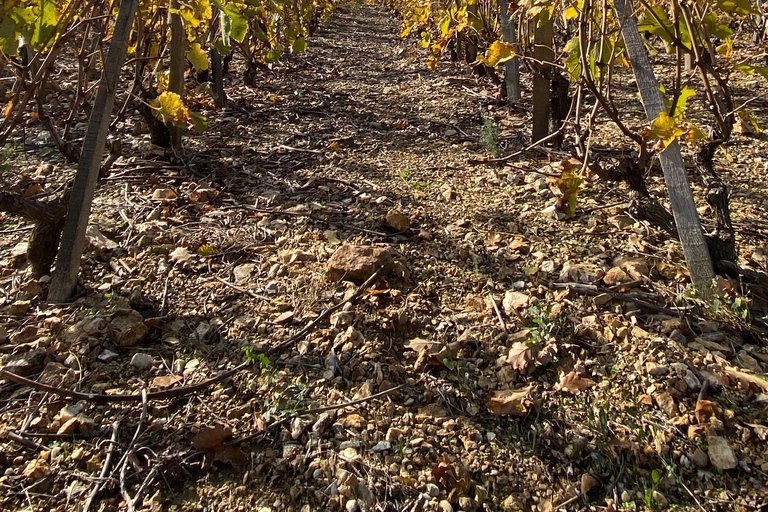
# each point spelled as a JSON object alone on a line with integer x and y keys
{"x": 501, "y": 359}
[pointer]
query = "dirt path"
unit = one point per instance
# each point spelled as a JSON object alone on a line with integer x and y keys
{"x": 316, "y": 156}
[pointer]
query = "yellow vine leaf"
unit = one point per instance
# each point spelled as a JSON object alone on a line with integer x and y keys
{"x": 665, "y": 128}
{"x": 498, "y": 53}
{"x": 569, "y": 184}
{"x": 197, "y": 57}
{"x": 170, "y": 109}
{"x": 573, "y": 9}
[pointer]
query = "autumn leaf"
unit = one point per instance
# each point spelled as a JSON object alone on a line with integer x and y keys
{"x": 574, "y": 384}
{"x": 665, "y": 128}
{"x": 569, "y": 184}
{"x": 520, "y": 356}
{"x": 210, "y": 436}
{"x": 705, "y": 411}
{"x": 169, "y": 108}
{"x": 197, "y": 57}
{"x": 509, "y": 402}
{"x": 748, "y": 381}
{"x": 165, "y": 381}
{"x": 498, "y": 53}
{"x": 181, "y": 255}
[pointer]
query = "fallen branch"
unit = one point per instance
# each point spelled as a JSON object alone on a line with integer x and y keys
{"x": 27, "y": 443}
{"x": 288, "y": 419}
{"x": 186, "y": 390}
{"x": 593, "y": 290}
{"x": 242, "y": 290}
{"x": 122, "y": 466}
{"x": 104, "y": 470}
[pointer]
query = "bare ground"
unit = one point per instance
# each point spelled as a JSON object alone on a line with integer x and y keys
{"x": 614, "y": 416}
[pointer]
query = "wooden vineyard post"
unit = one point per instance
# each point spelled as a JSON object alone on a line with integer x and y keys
{"x": 178, "y": 63}
{"x": 64, "y": 276}
{"x": 217, "y": 72}
{"x": 512, "y": 66}
{"x": 543, "y": 54}
{"x": 680, "y": 195}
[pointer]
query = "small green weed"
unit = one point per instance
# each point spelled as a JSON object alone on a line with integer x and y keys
{"x": 419, "y": 185}
{"x": 490, "y": 135}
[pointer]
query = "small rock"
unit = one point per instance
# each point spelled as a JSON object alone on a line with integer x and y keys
{"x": 356, "y": 263}
{"x": 397, "y": 220}
{"x": 467, "y": 504}
{"x": 445, "y": 506}
{"x": 432, "y": 490}
{"x": 271, "y": 288}
{"x": 616, "y": 276}
{"x": 721, "y": 454}
{"x": 660, "y": 499}
{"x": 128, "y": 328}
{"x": 353, "y": 506}
{"x": 677, "y": 335}
{"x": 107, "y": 356}
{"x": 691, "y": 380}
{"x": 26, "y": 363}
{"x": 626, "y": 496}
{"x": 142, "y": 361}
{"x": 657, "y": 370}
{"x": 381, "y": 446}
{"x": 700, "y": 458}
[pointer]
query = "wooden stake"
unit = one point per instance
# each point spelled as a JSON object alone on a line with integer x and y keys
{"x": 512, "y": 66}
{"x": 680, "y": 195}
{"x": 543, "y": 40}
{"x": 64, "y": 276}
{"x": 177, "y": 65}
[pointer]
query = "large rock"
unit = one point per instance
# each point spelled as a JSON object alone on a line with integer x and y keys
{"x": 26, "y": 363}
{"x": 128, "y": 328}
{"x": 356, "y": 263}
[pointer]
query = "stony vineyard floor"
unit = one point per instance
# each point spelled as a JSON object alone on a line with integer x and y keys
{"x": 504, "y": 360}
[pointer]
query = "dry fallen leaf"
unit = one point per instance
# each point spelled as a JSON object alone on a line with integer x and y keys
{"x": 181, "y": 256}
{"x": 574, "y": 384}
{"x": 447, "y": 477}
{"x": 760, "y": 430}
{"x": 705, "y": 411}
{"x": 210, "y": 436}
{"x": 165, "y": 381}
{"x": 229, "y": 455}
{"x": 747, "y": 381}
{"x": 509, "y": 402}
{"x": 521, "y": 355}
